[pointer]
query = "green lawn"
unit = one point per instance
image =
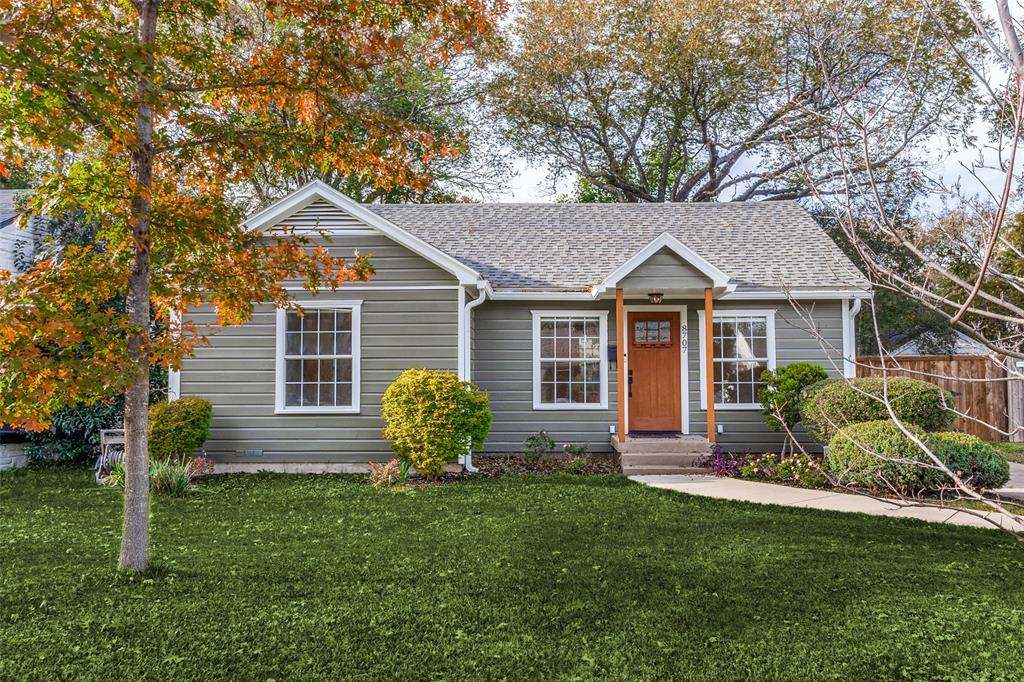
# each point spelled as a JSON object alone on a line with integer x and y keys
{"x": 1011, "y": 451}
{"x": 290, "y": 577}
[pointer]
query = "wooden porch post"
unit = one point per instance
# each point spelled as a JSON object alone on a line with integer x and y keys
{"x": 620, "y": 365}
{"x": 709, "y": 361}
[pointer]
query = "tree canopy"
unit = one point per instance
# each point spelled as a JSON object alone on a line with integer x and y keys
{"x": 698, "y": 100}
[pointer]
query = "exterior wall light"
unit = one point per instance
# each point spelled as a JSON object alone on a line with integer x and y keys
{"x": 655, "y": 297}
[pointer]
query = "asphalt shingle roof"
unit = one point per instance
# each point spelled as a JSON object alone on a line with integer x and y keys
{"x": 575, "y": 246}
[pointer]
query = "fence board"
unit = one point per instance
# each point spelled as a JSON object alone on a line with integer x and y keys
{"x": 983, "y": 397}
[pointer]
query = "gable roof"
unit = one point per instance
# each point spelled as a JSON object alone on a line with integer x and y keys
{"x": 279, "y": 211}
{"x": 577, "y": 247}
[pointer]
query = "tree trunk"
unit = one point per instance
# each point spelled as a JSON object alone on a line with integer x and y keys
{"x": 135, "y": 531}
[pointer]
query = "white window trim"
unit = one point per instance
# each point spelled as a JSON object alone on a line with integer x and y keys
{"x": 769, "y": 315}
{"x": 279, "y": 371}
{"x": 602, "y": 316}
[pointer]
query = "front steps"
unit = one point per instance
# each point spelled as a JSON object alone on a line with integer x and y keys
{"x": 645, "y": 456}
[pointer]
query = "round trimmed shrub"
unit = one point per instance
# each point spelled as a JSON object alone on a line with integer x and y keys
{"x": 972, "y": 459}
{"x": 877, "y": 455}
{"x": 433, "y": 417}
{"x": 833, "y": 404}
{"x": 179, "y": 427}
{"x": 783, "y": 390}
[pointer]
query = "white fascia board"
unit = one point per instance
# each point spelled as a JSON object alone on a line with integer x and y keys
{"x": 718, "y": 278}
{"x": 798, "y": 294}
{"x": 316, "y": 189}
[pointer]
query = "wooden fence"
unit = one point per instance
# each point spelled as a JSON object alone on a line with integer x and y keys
{"x": 979, "y": 384}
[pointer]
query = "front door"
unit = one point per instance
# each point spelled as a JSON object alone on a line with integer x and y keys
{"x": 654, "y": 389}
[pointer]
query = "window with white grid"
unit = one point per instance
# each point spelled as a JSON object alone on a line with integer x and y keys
{"x": 570, "y": 367}
{"x": 318, "y": 359}
{"x": 743, "y": 349}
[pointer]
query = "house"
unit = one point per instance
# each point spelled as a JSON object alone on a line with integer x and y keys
{"x": 598, "y": 323}
{"x": 16, "y": 243}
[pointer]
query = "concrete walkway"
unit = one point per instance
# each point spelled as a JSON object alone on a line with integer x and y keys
{"x": 1015, "y": 486}
{"x": 770, "y": 493}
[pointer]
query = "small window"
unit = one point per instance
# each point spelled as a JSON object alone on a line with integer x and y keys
{"x": 744, "y": 346}
{"x": 570, "y": 367}
{"x": 652, "y": 333}
{"x": 318, "y": 359}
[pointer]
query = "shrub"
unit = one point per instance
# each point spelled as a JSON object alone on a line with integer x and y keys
{"x": 829, "y": 406}
{"x": 432, "y": 417}
{"x": 974, "y": 460}
{"x": 877, "y": 455}
{"x": 538, "y": 445}
{"x": 799, "y": 469}
{"x": 170, "y": 477}
{"x": 178, "y": 427}
{"x": 782, "y": 392}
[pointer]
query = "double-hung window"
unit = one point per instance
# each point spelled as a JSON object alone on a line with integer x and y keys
{"x": 743, "y": 343}
{"x": 318, "y": 358}
{"x": 570, "y": 367}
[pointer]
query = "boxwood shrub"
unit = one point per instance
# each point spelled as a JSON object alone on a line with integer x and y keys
{"x": 878, "y": 455}
{"x": 432, "y": 417}
{"x": 830, "y": 405}
{"x": 976, "y": 461}
{"x": 179, "y": 427}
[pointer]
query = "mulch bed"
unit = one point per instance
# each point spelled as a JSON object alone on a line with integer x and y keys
{"x": 491, "y": 466}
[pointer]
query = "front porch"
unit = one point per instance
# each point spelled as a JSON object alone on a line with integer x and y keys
{"x": 670, "y": 454}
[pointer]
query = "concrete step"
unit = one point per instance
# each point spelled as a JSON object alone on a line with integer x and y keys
{"x": 662, "y": 470}
{"x": 681, "y": 445}
{"x": 661, "y": 459}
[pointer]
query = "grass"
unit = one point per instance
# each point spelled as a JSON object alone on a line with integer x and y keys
{"x": 1011, "y": 451}
{"x": 518, "y": 577}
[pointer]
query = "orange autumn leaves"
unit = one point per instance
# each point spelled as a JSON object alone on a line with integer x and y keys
{"x": 237, "y": 86}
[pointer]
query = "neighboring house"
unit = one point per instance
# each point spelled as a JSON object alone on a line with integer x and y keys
{"x": 532, "y": 303}
{"x": 962, "y": 345}
{"x": 16, "y": 244}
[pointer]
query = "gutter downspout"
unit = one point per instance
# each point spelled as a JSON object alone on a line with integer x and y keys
{"x": 467, "y": 370}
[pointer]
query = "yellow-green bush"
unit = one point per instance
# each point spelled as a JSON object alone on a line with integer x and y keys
{"x": 433, "y": 417}
{"x": 179, "y": 427}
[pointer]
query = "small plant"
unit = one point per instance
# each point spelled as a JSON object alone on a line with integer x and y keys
{"x": 170, "y": 477}
{"x": 433, "y": 417}
{"x": 116, "y": 475}
{"x": 385, "y": 475}
{"x": 576, "y": 458}
{"x": 799, "y": 469}
{"x": 537, "y": 445}
{"x": 723, "y": 463}
{"x": 403, "y": 470}
{"x": 179, "y": 427}
{"x": 575, "y": 450}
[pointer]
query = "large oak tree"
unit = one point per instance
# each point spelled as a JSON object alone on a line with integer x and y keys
{"x": 698, "y": 100}
{"x": 155, "y": 112}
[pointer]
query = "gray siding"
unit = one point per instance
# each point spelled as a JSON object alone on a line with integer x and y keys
{"x": 745, "y": 430}
{"x": 665, "y": 270}
{"x": 400, "y": 328}
{"x": 503, "y": 356}
{"x": 503, "y": 366}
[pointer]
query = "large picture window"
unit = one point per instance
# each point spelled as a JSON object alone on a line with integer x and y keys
{"x": 318, "y": 358}
{"x": 570, "y": 368}
{"x": 743, "y": 343}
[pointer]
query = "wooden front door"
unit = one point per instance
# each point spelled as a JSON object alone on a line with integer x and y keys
{"x": 653, "y": 382}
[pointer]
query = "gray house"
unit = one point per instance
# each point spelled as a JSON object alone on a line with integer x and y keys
{"x": 603, "y": 324}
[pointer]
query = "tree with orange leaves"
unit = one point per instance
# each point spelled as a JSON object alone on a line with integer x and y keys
{"x": 157, "y": 110}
